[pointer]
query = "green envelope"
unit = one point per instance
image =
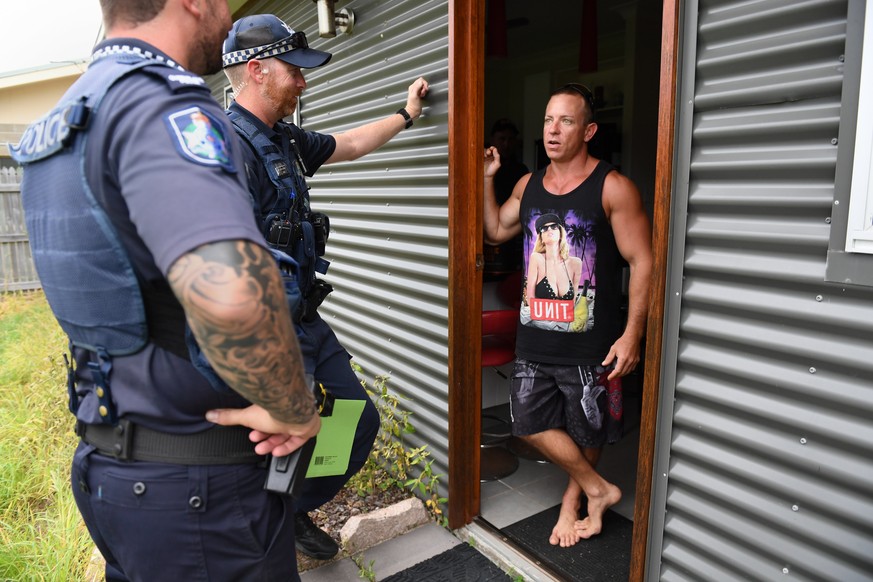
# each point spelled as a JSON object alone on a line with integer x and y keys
{"x": 333, "y": 446}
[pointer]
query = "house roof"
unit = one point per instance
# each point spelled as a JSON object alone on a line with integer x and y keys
{"x": 41, "y": 73}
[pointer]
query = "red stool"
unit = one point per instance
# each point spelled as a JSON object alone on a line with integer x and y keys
{"x": 498, "y": 337}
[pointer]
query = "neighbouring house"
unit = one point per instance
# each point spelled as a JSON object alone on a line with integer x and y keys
{"x": 27, "y": 94}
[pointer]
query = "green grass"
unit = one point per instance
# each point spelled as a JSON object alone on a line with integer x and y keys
{"x": 42, "y": 536}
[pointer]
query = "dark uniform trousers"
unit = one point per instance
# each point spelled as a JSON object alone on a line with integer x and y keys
{"x": 328, "y": 362}
{"x": 221, "y": 523}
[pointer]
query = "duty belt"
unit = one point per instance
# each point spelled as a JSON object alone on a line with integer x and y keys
{"x": 219, "y": 445}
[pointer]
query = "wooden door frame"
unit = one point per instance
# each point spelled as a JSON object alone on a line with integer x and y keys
{"x": 466, "y": 180}
{"x": 660, "y": 242}
{"x": 466, "y": 128}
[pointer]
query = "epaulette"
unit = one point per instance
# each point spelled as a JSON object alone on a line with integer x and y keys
{"x": 177, "y": 80}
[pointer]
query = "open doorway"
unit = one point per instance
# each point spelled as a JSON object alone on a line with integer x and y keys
{"x": 529, "y": 52}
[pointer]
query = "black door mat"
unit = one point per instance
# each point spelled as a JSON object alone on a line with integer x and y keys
{"x": 603, "y": 558}
{"x": 459, "y": 564}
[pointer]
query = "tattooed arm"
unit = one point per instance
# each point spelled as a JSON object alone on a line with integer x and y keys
{"x": 235, "y": 304}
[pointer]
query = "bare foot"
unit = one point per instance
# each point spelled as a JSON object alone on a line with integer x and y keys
{"x": 597, "y": 506}
{"x": 564, "y": 533}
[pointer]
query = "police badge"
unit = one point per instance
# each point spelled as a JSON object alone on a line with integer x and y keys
{"x": 200, "y": 138}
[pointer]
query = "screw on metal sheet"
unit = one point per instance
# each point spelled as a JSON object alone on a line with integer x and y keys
{"x": 836, "y": 202}
{"x": 812, "y": 370}
{"x": 785, "y": 570}
{"x": 842, "y": 58}
{"x": 834, "y": 141}
{"x": 802, "y": 440}
{"x": 818, "y": 297}
{"x": 795, "y": 508}
{"x": 828, "y": 220}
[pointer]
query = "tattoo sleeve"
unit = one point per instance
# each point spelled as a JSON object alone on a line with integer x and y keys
{"x": 235, "y": 304}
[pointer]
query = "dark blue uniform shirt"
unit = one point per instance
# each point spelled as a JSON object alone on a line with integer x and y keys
{"x": 164, "y": 204}
{"x": 315, "y": 149}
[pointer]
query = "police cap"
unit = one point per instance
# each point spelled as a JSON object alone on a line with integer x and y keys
{"x": 262, "y": 36}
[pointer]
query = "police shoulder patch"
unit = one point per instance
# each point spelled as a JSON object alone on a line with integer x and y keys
{"x": 199, "y": 137}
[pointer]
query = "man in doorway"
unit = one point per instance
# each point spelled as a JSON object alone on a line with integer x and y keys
{"x": 264, "y": 60}
{"x": 580, "y": 219}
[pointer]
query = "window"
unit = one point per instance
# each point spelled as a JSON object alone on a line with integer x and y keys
{"x": 859, "y": 233}
{"x": 850, "y": 250}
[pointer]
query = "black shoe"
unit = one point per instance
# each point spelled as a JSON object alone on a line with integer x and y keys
{"x": 312, "y": 541}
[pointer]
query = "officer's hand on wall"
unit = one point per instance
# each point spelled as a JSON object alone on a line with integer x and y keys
{"x": 417, "y": 91}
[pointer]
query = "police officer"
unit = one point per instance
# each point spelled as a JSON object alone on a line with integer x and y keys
{"x": 263, "y": 59}
{"x": 139, "y": 218}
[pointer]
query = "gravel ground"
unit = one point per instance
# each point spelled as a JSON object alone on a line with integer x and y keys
{"x": 332, "y": 516}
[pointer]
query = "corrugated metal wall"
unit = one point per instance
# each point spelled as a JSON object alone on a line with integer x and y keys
{"x": 765, "y": 463}
{"x": 389, "y": 210}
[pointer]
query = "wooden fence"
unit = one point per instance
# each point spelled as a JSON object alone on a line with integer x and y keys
{"x": 16, "y": 264}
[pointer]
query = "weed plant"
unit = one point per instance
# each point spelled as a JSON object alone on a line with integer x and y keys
{"x": 42, "y": 536}
{"x": 391, "y": 463}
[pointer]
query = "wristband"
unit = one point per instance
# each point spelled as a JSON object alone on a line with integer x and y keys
{"x": 405, "y": 114}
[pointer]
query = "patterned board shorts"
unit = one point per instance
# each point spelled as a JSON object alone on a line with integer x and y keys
{"x": 578, "y": 399}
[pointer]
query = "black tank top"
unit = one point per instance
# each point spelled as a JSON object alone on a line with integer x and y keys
{"x": 575, "y": 328}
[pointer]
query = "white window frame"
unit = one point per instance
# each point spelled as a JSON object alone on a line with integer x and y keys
{"x": 859, "y": 232}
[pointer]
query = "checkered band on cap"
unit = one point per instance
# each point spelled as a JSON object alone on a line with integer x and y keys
{"x": 237, "y": 57}
{"x": 245, "y": 55}
{"x": 262, "y": 52}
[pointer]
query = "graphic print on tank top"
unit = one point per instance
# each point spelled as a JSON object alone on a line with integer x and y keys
{"x": 559, "y": 264}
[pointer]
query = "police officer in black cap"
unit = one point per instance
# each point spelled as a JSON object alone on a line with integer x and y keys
{"x": 139, "y": 217}
{"x": 264, "y": 60}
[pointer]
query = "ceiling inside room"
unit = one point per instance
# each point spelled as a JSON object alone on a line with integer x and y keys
{"x": 532, "y": 26}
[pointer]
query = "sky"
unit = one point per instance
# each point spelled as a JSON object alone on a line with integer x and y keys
{"x": 39, "y": 32}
